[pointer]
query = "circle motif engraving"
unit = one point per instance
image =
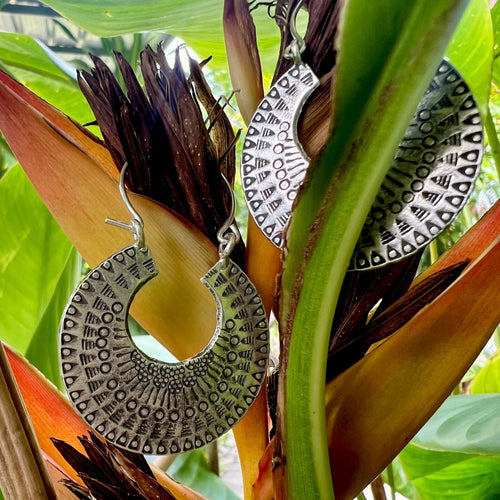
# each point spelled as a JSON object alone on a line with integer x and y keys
{"x": 150, "y": 406}
{"x": 273, "y": 161}
{"x": 431, "y": 177}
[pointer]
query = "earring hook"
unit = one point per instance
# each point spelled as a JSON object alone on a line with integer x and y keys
{"x": 136, "y": 226}
{"x": 228, "y": 240}
{"x": 297, "y": 45}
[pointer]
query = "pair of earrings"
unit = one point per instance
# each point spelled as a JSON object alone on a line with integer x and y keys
{"x": 154, "y": 407}
{"x": 430, "y": 180}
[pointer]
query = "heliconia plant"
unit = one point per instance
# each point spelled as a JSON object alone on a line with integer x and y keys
{"x": 338, "y": 414}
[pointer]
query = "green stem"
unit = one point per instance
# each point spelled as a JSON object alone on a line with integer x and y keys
{"x": 433, "y": 250}
{"x": 390, "y": 477}
{"x": 491, "y": 133}
{"x": 468, "y": 216}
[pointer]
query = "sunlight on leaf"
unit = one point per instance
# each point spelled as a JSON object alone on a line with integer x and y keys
{"x": 34, "y": 263}
{"x": 71, "y": 172}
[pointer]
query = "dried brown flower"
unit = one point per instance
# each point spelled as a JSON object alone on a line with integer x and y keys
{"x": 173, "y": 156}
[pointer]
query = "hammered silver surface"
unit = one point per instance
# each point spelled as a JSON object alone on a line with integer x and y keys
{"x": 432, "y": 175}
{"x": 146, "y": 405}
{"x": 273, "y": 161}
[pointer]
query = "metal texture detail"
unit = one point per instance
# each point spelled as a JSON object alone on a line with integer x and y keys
{"x": 273, "y": 161}
{"x": 146, "y": 405}
{"x": 432, "y": 175}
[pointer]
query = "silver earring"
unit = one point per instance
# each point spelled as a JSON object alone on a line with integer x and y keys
{"x": 273, "y": 162}
{"x": 431, "y": 178}
{"x": 146, "y": 405}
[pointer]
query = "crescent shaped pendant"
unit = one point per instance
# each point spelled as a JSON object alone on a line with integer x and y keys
{"x": 273, "y": 162}
{"x": 146, "y": 405}
{"x": 430, "y": 180}
{"x": 431, "y": 177}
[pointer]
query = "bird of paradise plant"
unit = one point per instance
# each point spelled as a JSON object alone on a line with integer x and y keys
{"x": 341, "y": 415}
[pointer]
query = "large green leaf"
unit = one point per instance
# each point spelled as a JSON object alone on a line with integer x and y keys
{"x": 488, "y": 378}
{"x": 35, "y": 66}
{"x": 457, "y": 453}
{"x": 495, "y": 15}
{"x": 471, "y": 51}
{"x": 43, "y": 348}
{"x": 37, "y": 268}
{"x": 464, "y": 424}
{"x": 192, "y": 470}
{"x": 387, "y": 54}
{"x": 441, "y": 476}
{"x": 197, "y": 22}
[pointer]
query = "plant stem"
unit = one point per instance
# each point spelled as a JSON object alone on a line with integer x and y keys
{"x": 377, "y": 488}
{"x": 433, "y": 250}
{"x": 213, "y": 457}
{"x": 390, "y": 475}
{"x": 491, "y": 133}
{"x": 22, "y": 469}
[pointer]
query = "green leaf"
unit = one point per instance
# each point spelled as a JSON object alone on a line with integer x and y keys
{"x": 43, "y": 349}
{"x": 37, "y": 67}
{"x": 197, "y": 22}
{"x": 488, "y": 378}
{"x": 471, "y": 51}
{"x": 464, "y": 424}
{"x": 442, "y": 476}
{"x": 495, "y": 16}
{"x": 36, "y": 270}
{"x": 192, "y": 470}
{"x": 457, "y": 453}
{"x": 387, "y": 54}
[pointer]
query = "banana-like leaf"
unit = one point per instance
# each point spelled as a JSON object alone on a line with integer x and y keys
{"x": 38, "y": 271}
{"x": 370, "y": 415}
{"x": 40, "y": 69}
{"x": 457, "y": 453}
{"x": 379, "y": 46}
{"x": 76, "y": 179}
{"x": 197, "y": 22}
{"x": 471, "y": 51}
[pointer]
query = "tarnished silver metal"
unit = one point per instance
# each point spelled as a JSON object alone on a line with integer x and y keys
{"x": 150, "y": 406}
{"x": 146, "y": 405}
{"x": 431, "y": 177}
{"x": 273, "y": 162}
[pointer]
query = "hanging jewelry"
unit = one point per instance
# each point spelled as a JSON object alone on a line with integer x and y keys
{"x": 143, "y": 404}
{"x": 273, "y": 161}
{"x": 431, "y": 177}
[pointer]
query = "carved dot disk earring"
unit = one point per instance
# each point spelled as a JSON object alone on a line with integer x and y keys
{"x": 430, "y": 180}
{"x": 273, "y": 162}
{"x": 143, "y": 404}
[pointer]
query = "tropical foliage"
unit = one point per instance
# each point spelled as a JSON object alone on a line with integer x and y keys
{"x": 374, "y": 60}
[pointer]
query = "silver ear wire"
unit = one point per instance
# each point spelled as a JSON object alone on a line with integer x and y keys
{"x": 228, "y": 240}
{"x": 136, "y": 226}
{"x": 298, "y": 45}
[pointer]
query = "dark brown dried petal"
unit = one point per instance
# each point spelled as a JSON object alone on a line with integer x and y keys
{"x": 161, "y": 134}
{"x": 109, "y": 472}
{"x": 345, "y": 354}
